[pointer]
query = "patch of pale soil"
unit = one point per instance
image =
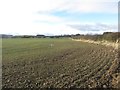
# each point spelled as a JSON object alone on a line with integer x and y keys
{"x": 106, "y": 43}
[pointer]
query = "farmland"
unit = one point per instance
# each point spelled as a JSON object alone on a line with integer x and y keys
{"x": 57, "y": 63}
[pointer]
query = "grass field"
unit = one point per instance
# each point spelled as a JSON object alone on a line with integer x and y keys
{"x": 41, "y": 63}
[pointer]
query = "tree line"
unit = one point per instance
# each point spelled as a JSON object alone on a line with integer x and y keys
{"x": 109, "y": 36}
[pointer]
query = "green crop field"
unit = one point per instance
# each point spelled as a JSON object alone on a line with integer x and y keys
{"x": 56, "y": 63}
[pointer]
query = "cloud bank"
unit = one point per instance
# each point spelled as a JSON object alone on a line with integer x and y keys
{"x": 96, "y": 28}
{"x": 36, "y": 16}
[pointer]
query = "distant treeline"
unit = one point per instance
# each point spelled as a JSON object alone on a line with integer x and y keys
{"x": 109, "y": 36}
{"x": 33, "y": 36}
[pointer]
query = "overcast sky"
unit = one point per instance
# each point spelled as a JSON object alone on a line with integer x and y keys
{"x": 55, "y": 17}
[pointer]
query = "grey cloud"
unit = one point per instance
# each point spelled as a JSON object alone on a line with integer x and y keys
{"x": 94, "y": 28}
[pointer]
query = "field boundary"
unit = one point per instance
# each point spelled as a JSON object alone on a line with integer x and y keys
{"x": 105, "y": 43}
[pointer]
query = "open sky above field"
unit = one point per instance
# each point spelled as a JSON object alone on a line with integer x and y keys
{"x": 55, "y": 17}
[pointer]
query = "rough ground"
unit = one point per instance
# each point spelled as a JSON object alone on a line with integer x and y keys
{"x": 66, "y": 64}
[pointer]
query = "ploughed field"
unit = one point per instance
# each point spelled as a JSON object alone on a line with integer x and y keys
{"x": 57, "y": 63}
